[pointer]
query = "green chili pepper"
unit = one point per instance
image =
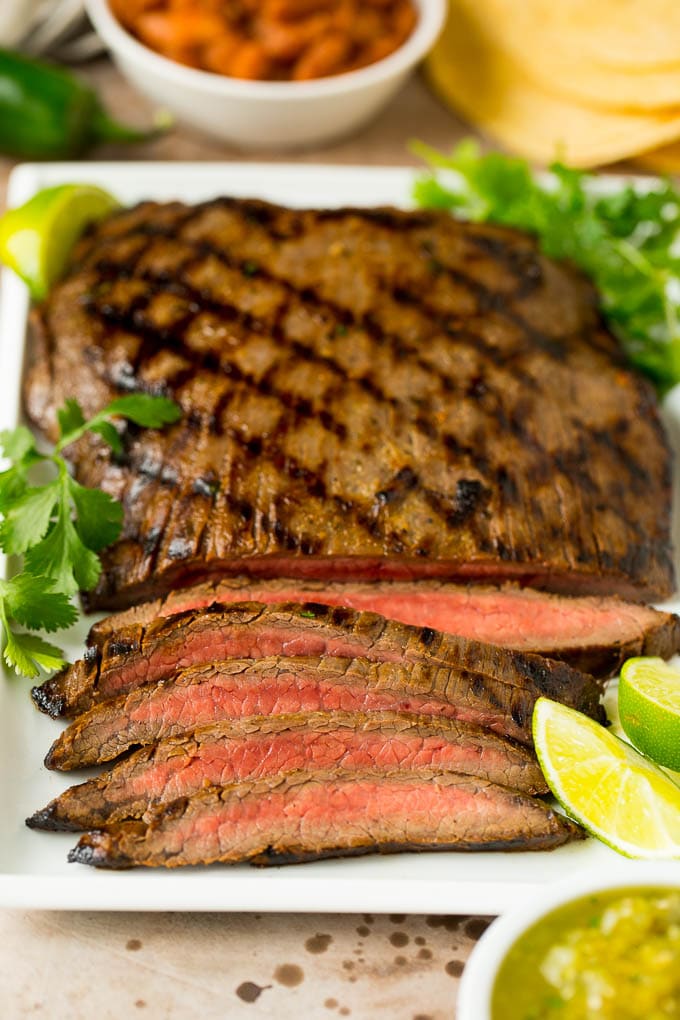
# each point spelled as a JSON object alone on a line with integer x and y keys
{"x": 47, "y": 113}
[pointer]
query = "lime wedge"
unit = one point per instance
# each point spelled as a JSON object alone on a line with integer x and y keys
{"x": 606, "y": 785}
{"x": 649, "y": 709}
{"x": 36, "y": 239}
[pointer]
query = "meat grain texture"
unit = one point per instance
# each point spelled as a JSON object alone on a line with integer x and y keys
{"x": 367, "y": 394}
{"x": 300, "y": 818}
{"x": 241, "y": 688}
{"x": 595, "y": 634}
{"x": 258, "y": 747}
{"x": 499, "y": 685}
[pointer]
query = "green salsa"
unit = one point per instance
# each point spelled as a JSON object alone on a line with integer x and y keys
{"x": 610, "y": 956}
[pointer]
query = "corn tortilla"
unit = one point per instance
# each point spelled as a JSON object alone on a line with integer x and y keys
{"x": 494, "y": 92}
{"x": 560, "y": 63}
{"x": 665, "y": 160}
{"x": 628, "y": 35}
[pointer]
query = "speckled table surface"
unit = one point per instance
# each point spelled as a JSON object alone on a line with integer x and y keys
{"x": 65, "y": 966}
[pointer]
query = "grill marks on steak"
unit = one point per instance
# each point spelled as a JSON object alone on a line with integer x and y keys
{"x": 300, "y": 818}
{"x": 259, "y": 747}
{"x": 476, "y": 674}
{"x": 593, "y": 634}
{"x": 367, "y": 394}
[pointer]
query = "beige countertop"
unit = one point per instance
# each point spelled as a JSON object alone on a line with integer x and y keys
{"x": 68, "y": 966}
{"x": 76, "y": 966}
{"x": 414, "y": 113}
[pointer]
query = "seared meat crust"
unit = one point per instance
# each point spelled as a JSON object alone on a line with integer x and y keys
{"x": 367, "y": 394}
{"x": 294, "y": 818}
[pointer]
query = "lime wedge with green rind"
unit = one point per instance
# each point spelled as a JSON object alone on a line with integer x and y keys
{"x": 36, "y": 239}
{"x": 649, "y": 709}
{"x": 615, "y": 793}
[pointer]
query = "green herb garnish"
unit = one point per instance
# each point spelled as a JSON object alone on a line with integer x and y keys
{"x": 31, "y": 602}
{"x": 58, "y": 526}
{"x": 628, "y": 242}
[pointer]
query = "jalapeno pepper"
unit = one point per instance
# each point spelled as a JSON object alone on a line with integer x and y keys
{"x": 48, "y": 113}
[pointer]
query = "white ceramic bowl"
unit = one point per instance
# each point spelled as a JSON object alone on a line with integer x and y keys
{"x": 476, "y": 987}
{"x": 264, "y": 115}
{"x": 16, "y": 17}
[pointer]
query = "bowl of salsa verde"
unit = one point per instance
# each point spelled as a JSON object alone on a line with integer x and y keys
{"x": 593, "y": 948}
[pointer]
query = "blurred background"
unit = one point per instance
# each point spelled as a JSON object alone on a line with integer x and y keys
{"x": 591, "y": 83}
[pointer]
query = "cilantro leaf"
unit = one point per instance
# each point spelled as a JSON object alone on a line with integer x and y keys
{"x": 109, "y": 434}
{"x": 31, "y": 601}
{"x": 26, "y": 654}
{"x": 70, "y": 418}
{"x": 58, "y": 526}
{"x": 143, "y": 409}
{"x": 626, "y": 241}
{"x": 18, "y": 446}
{"x": 28, "y": 519}
{"x": 99, "y": 517}
{"x": 63, "y": 557}
{"x": 431, "y": 194}
{"x": 13, "y": 484}
{"x": 17, "y": 443}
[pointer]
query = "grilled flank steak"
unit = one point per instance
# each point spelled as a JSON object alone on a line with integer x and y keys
{"x": 295, "y": 818}
{"x": 259, "y": 747}
{"x": 238, "y": 689}
{"x": 592, "y": 633}
{"x": 367, "y": 394}
{"x": 500, "y": 684}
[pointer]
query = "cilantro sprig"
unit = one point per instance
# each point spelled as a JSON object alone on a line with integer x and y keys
{"x": 58, "y": 525}
{"x": 627, "y": 242}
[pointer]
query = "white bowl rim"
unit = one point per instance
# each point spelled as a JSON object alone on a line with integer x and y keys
{"x": 479, "y": 975}
{"x": 430, "y": 23}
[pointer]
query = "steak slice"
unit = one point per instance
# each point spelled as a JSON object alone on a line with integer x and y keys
{"x": 281, "y": 686}
{"x": 138, "y": 655}
{"x": 593, "y": 634}
{"x": 367, "y": 394}
{"x": 287, "y": 819}
{"x": 259, "y": 747}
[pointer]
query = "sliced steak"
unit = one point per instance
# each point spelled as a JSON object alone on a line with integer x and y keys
{"x": 593, "y": 634}
{"x": 260, "y": 747}
{"x": 275, "y": 686}
{"x": 300, "y": 818}
{"x": 139, "y": 655}
{"x": 367, "y": 394}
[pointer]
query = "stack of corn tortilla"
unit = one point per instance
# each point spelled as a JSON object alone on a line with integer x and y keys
{"x": 584, "y": 81}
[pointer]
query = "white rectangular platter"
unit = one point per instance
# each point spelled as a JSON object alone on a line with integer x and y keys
{"x": 33, "y": 868}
